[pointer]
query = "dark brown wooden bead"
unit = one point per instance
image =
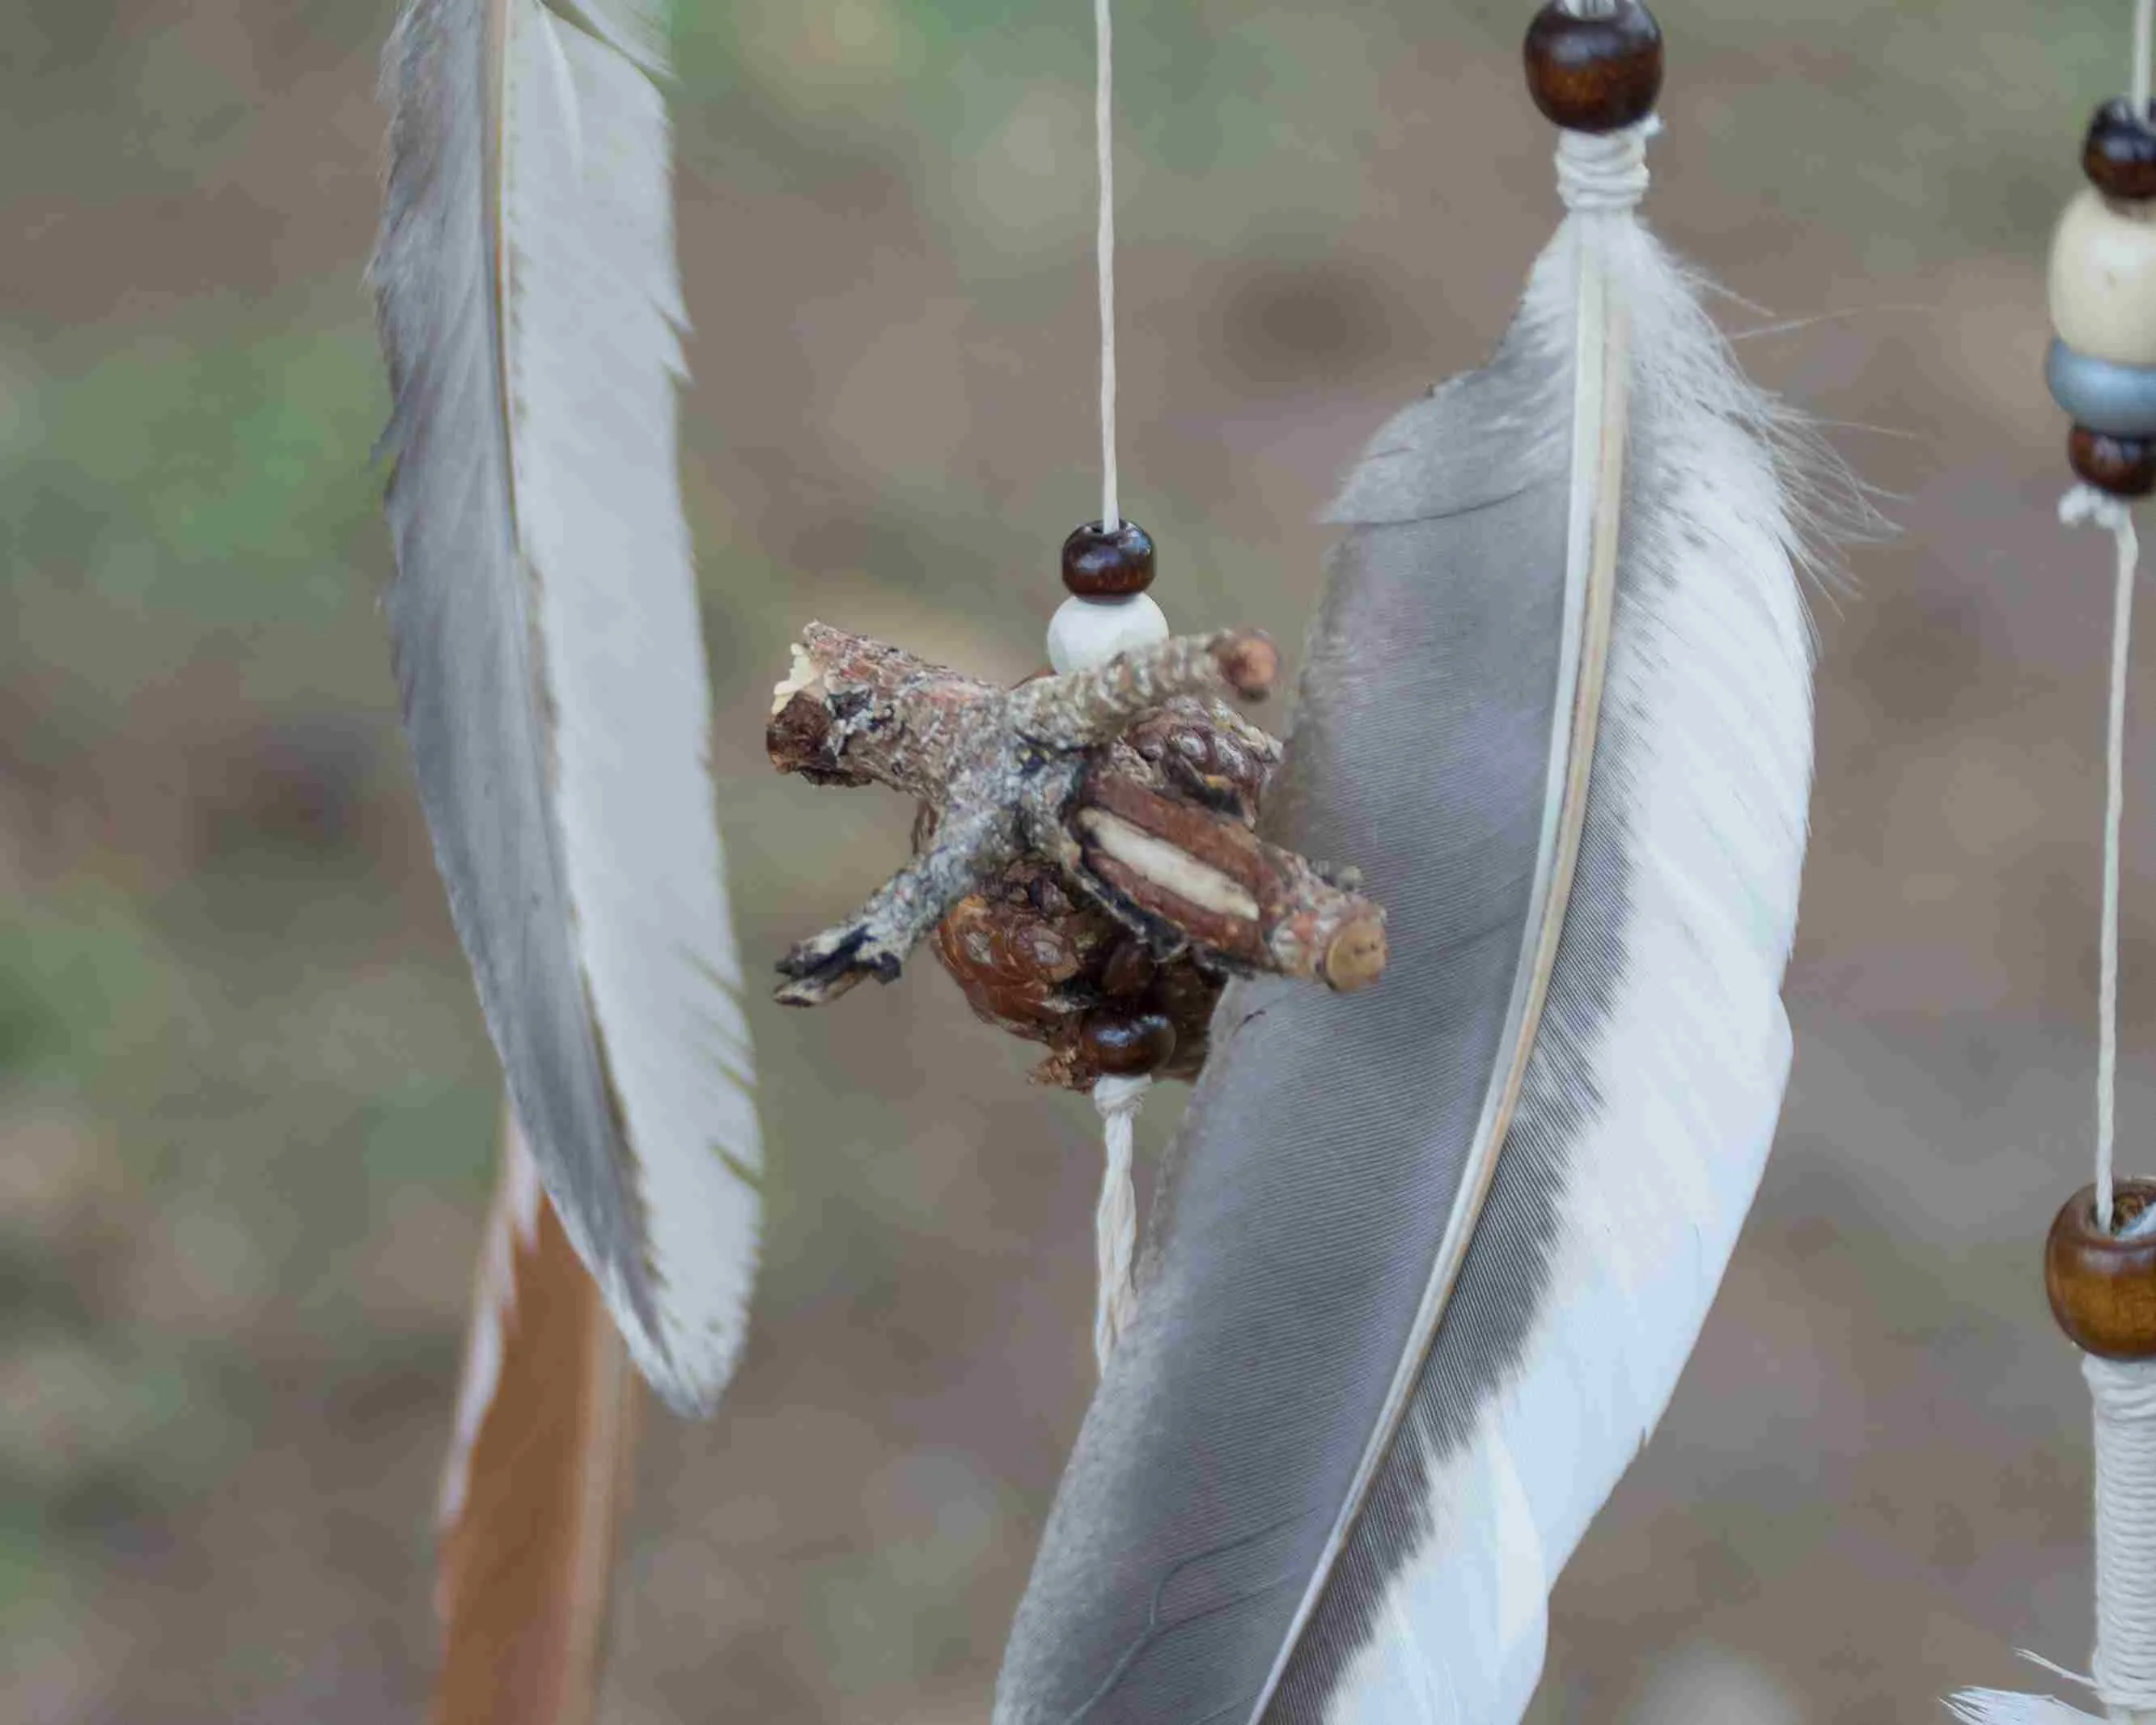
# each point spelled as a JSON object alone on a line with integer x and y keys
{"x": 1600, "y": 73}
{"x": 2119, "y": 153}
{"x": 2102, "y": 1289}
{"x": 1098, "y": 564}
{"x": 1120, "y": 1045}
{"x": 2124, "y": 466}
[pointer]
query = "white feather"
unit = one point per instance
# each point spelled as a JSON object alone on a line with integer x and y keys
{"x": 1709, "y": 671}
{"x": 549, "y": 640}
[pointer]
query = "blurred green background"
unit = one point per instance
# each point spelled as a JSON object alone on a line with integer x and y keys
{"x": 246, "y": 1105}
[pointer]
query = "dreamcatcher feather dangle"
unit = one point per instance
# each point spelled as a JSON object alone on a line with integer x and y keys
{"x": 544, "y": 622}
{"x": 1430, "y": 1259}
{"x": 1475, "y": 1128}
{"x": 2100, "y": 1258}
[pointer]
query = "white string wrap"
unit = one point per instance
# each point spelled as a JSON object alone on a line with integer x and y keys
{"x": 2123, "y": 1392}
{"x": 1104, "y": 247}
{"x": 1605, "y": 172}
{"x": 1116, "y": 1222}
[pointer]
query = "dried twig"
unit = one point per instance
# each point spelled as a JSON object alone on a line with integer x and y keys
{"x": 1034, "y": 773}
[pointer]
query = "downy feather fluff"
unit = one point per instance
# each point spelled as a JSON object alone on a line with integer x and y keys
{"x": 539, "y": 1474}
{"x": 2000, "y": 1707}
{"x": 1427, "y": 1261}
{"x": 547, "y": 639}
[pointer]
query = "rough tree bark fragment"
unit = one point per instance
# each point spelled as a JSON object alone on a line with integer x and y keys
{"x": 1070, "y": 774}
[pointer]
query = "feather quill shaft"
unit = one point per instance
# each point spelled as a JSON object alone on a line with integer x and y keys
{"x": 539, "y": 1476}
{"x": 1598, "y": 464}
{"x": 1427, "y": 1262}
{"x": 548, "y": 643}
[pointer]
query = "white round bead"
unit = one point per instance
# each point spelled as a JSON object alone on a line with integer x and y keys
{"x": 2103, "y": 279}
{"x": 1085, "y": 633}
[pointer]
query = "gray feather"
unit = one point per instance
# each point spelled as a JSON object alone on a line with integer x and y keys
{"x": 547, "y": 641}
{"x": 1322, "y": 1154}
{"x": 1334, "y": 1465}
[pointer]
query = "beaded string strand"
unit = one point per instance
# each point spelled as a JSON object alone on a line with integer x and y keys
{"x": 1107, "y": 565}
{"x": 2100, "y": 1258}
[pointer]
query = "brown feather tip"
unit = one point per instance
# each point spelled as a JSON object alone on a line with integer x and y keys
{"x": 538, "y": 1478}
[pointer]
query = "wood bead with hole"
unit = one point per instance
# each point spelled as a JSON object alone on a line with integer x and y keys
{"x": 1099, "y": 563}
{"x": 1120, "y": 1045}
{"x": 2103, "y": 279}
{"x": 2123, "y": 466}
{"x": 2119, "y": 153}
{"x": 1597, "y": 74}
{"x": 2102, "y": 1289}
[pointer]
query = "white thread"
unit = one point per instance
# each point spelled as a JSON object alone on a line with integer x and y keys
{"x": 2144, "y": 50}
{"x": 2124, "y": 1394}
{"x": 1605, "y": 171}
{"x": 1105, "y": 250}
{"x": 1116, "y": 1223}
{"x": 2085, "y": 504}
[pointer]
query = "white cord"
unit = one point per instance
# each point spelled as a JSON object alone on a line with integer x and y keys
{"x": 2144, "y": 50}
{"x": 1104, "y": 83}
{"x": 2122, "y": 1394}
{"x": 1116, "y": 1223}
{"x": 2085, "y": 504}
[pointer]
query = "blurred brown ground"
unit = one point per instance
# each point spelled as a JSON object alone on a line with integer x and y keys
{"x": 244, "y": 1098}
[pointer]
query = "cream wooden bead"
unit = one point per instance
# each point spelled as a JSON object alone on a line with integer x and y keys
{"x": 1085, "y": 633}
{"x": 2103, "y": 279}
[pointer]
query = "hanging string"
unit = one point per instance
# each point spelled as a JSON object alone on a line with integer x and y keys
{"x": 1116, "y": 1223}
{"x": 1104, "y": 84}
{"x": 2122, "y": 1392}
{"x": 2082, "y": 505}
{"x": 2144, "y": 53}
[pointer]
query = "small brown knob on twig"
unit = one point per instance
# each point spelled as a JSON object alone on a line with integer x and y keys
{"x": 1356, "y": 955}
{"x": 1249, "y": 663}
{"x": 2102, "y": 1286}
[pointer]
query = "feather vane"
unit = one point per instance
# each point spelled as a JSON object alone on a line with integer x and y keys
{"x": 539, "y": 1474}
{"x": 548, "y": 643}
{"x": 1427, "y": 1261}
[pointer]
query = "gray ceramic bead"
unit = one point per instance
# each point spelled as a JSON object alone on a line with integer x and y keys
{"x": 2117, "y": 400}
